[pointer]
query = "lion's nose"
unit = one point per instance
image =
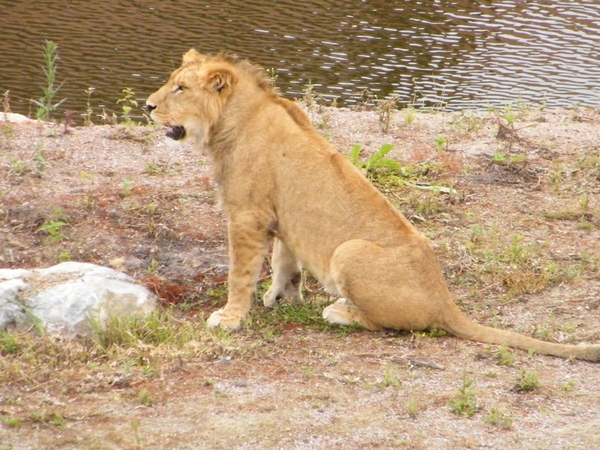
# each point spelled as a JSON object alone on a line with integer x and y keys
{"x": 149, "y": 107}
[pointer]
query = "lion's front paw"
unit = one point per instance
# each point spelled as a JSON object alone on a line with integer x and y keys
{"x": 223, "y": 319}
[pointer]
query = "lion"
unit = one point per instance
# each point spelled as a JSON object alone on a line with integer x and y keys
{"x": 282, "y": 184}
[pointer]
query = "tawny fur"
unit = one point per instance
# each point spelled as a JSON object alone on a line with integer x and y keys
{"x": 281, "y": 182}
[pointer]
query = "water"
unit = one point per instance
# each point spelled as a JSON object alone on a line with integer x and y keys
{"x": 454, "y": 53}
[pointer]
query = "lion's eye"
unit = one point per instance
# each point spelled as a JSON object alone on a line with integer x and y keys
{"x": 179, "y": 88}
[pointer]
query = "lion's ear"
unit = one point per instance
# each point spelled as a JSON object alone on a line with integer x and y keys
{"x": 193, "y": 56}
{"x": 221, "y": 81}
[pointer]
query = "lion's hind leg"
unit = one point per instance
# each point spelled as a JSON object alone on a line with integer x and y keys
{"x": 287, "y": 276}
{"x": 343, "y": 312}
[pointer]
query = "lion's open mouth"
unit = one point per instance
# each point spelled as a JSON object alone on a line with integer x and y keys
{"x": 176, "y": 133}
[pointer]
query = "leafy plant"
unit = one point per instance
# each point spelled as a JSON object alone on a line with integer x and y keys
{"x": 390, "y": 378}
{"x": 9, "y": 344}
{"x": 526, "y": 382}
{"x": 465, "y": 401}
{"x": 499, "y": 419}
{"x": 378, "y": 161}
{"x": 505, "y": 356}
{"x": 87, "y": 116}
{"x": 145, "y": 398}
{"x": 53, "y": 226}
{"x": 385, "y": 109}
{"x": 46, "y": 104}
{"x": 128, "y": 103}
{"x": 441, "y": 143}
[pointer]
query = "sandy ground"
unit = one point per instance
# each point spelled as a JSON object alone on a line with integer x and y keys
{"x": 519, "y": 242}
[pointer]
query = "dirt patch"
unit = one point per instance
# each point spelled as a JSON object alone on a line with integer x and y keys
{"x": 519, "y": 242}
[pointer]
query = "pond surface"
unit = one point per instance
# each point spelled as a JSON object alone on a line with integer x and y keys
{"x": 453, "y": 53}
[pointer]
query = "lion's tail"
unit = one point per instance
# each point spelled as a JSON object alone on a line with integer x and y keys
{"x": 460, "y": 325}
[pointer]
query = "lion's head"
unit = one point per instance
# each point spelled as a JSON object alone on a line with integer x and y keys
{"x": 193, "y": 99}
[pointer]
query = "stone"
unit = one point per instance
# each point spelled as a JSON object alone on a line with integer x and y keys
{"x": 61, "y": 299}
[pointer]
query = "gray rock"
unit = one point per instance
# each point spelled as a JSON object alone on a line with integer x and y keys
{"x": 63, "y": 298}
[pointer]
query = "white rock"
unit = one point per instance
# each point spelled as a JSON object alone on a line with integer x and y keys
{"x": 14, "y": 118}
{"x": 62, "y": 298}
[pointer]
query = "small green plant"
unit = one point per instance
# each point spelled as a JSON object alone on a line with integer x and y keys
{"x": 441, "y": 144}
{"x": 87, "y": 116}
{"x": 128, "y": 102}
{"x": 465, "y": 401}
{"x": 409, "y": 115}
{"x": 273, "y": 76}
{"x": 64, "y": 257}
{"x": 153, "y": 267}
{"x": 527, "y": 382}
{"x": 126, "y": 188}
{"x": 40, "y": 160}
{"x": 7, "y": 128}
{"x": 46, "y": 104}
{"x": 385, "y": 109}
{"x": 390, "y": 378}
{"x": 9, "y": 344}
{"x": 17, "y": 168}
{"x": 145, "y": 398}
{"x": 53, "y": 226}
{"x": 135, "y": 427}
{"x": 413, "y": 408}
{"x": 11, "y": 422}
{"x": 505, "y": 356}
{"x": 499, "y": 419}
{"x": 310, "y": 97}
{"x": 378, "y": 161}
{"x": 49, "y": 417}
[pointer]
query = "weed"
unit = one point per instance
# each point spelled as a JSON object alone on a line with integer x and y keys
{"x": 7, "y": 128}
{"x": 135, "y": 427}
{"x": 40, "y": 160}
{"x": 46, "y": 105}
{"x": 526, "y": 382}
{"x": 9, "y": 344}
{"x": 53, "y": 226}
{"x": 499, "y": 419}
{"x": 413, "y": 408}
{"x": 308, "y": 372}
{"x": 390, "y": 378}
{"x": 87, "y": 116}
{"x": 153, "y": 267}
{"x": 385, "y": 109}
{"x": 145, "y": 398}
{"x": 272, "y": 76}
{"x": 17, "y": 168}
{"x": 468, "y": 122}
{"x": 409, "y": 115}
{"x": 11, "y": 422}
{"x": 64, "y": 257}
{"x": 126, "y": 188}
{"x": 465, "y": 401}
{"x": 441, "y": 144}
{"x": 49, "y": 417}
{"x": 128, "y": 103}
{"x": 378, "y": 161}
{"x": 505, "y": 356}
